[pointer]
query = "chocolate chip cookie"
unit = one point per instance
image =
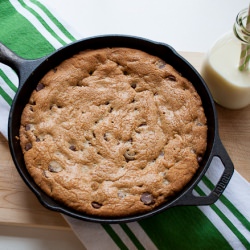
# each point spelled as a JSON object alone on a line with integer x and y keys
{"x": 113, "y": 132}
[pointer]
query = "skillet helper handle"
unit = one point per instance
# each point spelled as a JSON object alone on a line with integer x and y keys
{"x": 218, "y": 151}
{"x": 23, "y": 67}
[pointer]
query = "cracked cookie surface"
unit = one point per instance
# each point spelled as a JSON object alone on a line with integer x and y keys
{"x": 113, "y": 132}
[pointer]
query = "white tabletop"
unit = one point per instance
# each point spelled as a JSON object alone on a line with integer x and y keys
{"x": 186, "y": 25}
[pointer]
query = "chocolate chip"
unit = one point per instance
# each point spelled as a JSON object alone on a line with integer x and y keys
{"x": 37, "y": 139}
{"x": 171, "y": 78}
{"x": 143, "y": 124}
{"x": 28, "y": 146}
{"x": 96, "y": 205}
{"x": 99, "y": 153}
{"x": 39, "y": 86}
{"x": 110, "y": 110}
{"x": 133, "y": 85}
{"x": 147, "y": 198}
{"x": 72, "y": 147}
{"x": 27, "y": 127}
{"x": 199, "y": 124}
{"x": 54, "y": 70}
{"x": 161, "y": 154}
{"x": 121, "y": 194}
{"x": 129, "y": 156}
{"x": 55, "y": 167}
{"x": 161, "y": 64}
{"x": 32, "y": 102}
{"x": 199, "y": 159}
{"x": 105, "y": 137}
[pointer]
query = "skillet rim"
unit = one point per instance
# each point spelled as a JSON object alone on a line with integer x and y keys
{"x": 148, "y": 45}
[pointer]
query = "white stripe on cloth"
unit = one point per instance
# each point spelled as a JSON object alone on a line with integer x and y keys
{"x": 48, "y": 21}
{"x": 213, "y": 174}
{"x": 230, "y": 216}
{"x": 141, "y": 236}
{"x": 10, "y": 73}
{"x": 240, "y": 200}
{"x": 123, "y": 236}
{"x": 92, "y": 235}
{"x": 4, "y": 114}
{"x": 66, "y": 25}
{"x": 33, "y": 20}
{"x": 221, "y": 227}
{"x": 4, "y": 106}
{"x": 86, "y": 230}
{"x": 6, "y": 88}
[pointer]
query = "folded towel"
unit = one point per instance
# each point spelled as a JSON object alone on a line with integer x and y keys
{"x": 31, "y": 30}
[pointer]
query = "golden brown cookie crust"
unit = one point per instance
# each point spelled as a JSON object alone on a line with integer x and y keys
{"x": 113, "y": 132}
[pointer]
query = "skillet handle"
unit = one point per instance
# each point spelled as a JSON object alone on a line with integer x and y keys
{"x": 23, "y": 67}
{"x": 190, "y": 199}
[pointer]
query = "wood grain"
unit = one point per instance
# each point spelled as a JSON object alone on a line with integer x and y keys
{"x": 19, "y": 206}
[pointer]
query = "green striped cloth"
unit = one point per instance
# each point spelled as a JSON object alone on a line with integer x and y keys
{"x": 31, "y": 30}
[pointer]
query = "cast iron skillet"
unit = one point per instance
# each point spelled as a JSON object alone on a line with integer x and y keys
{"x": 29, "y": 73}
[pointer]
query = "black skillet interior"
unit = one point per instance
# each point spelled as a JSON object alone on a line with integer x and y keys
{"x": 163, "y": 51}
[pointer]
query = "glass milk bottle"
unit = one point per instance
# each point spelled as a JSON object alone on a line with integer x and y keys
{"x": 225, "y": 68}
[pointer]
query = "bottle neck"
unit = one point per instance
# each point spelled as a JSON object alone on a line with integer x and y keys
{"x": 242, "y": 27}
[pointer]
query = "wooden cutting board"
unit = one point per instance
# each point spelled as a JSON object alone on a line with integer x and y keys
{"x": 19, "y": 206}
